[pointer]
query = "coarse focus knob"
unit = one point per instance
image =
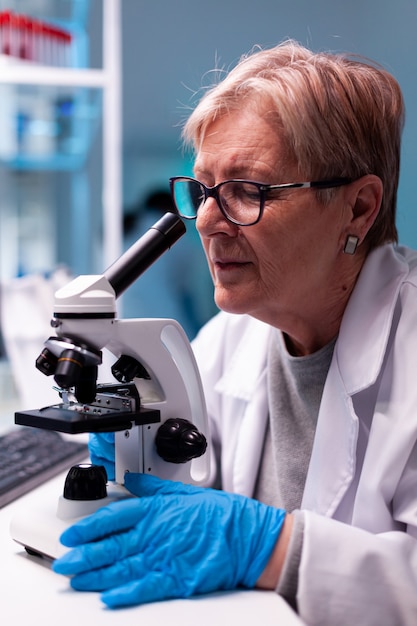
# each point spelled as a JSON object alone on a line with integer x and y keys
{"x": 86, "y": 482}
{"x": 179, "y": 441}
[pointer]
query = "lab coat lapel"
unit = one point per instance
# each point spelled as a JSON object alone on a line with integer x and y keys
{"x": 332, "y": 464}
{"x": 356, "y": 364}
{"x": 244, "y": 383}
{"x": 251, "y": 440}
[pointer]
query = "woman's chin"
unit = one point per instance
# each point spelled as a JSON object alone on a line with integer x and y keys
{"x": 231, "y": 303}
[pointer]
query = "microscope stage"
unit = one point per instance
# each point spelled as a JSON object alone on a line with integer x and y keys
{"x": 73, "y": 420}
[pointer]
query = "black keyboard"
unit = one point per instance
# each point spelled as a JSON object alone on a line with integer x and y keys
{"x": 31, "y": 456}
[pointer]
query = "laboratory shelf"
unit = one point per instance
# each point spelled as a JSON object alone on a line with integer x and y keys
{"x": 50, "y": 128}
{"x": 28, "y": 74}
{"x": 56, "y": 112}
{"x": 52, "y": 100}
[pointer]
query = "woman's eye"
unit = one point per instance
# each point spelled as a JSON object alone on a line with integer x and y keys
{"x": 246, "y": 193}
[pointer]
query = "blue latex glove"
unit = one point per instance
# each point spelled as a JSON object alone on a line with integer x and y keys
{"x": 173, "y": 541}
{"x": 101, "y": 449}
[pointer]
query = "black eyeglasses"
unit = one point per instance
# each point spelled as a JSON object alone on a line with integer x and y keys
{"x": 241, "y": 201}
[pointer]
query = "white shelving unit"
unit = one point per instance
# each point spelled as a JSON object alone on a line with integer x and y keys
{"x": 20, "y": 173}
{"x": 107, "y": 79}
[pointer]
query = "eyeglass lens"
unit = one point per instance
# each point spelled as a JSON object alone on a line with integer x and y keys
{"x": 189, "y": 196}
{"x": 240, "y": 201}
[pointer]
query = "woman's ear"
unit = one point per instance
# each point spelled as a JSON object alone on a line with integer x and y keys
{"x": 365, "y": 201}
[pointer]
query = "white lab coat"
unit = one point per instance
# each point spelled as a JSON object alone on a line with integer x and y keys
{"x": 359, "y": 558}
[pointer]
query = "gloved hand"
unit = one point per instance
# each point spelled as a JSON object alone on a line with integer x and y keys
{"x": 101, "y": 449}
{"x": 172, "y": 541}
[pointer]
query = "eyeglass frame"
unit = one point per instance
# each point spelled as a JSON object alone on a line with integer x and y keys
{"x": 213, "y": 192}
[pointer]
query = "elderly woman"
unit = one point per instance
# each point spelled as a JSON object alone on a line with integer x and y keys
{"x": 308, "y": 370}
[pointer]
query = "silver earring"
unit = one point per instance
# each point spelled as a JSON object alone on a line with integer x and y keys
{"x": 351, "y": 244}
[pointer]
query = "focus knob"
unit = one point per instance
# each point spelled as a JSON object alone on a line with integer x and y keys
{"x": 86, "y": 482}
{"x": 179, "y": 441}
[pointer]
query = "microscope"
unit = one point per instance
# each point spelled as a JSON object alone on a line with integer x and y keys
{"x": 155, "y": 404}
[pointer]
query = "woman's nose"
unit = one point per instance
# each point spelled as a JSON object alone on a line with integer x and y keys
{"x": 211, "y": 219}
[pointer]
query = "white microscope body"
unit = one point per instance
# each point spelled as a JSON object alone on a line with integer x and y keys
{"x": 155, "y": 405}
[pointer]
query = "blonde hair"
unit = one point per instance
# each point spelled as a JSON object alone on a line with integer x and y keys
{"x": 340, "y": 116}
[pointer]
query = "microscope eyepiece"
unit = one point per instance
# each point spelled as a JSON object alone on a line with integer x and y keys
{"x": 147, "y": 249}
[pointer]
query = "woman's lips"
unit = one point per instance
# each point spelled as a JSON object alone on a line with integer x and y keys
{"x": 226, "y": 264}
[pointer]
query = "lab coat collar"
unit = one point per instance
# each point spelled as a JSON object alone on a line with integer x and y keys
{"x": 357, "y": 361}
{"x": 368, "y": 317}
{"x": 248, "y": 363}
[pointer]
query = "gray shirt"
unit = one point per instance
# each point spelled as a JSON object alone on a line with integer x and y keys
{"x": 295, "y": 387}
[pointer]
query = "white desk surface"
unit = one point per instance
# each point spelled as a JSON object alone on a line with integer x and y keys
{"x": 32, "y": 594}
